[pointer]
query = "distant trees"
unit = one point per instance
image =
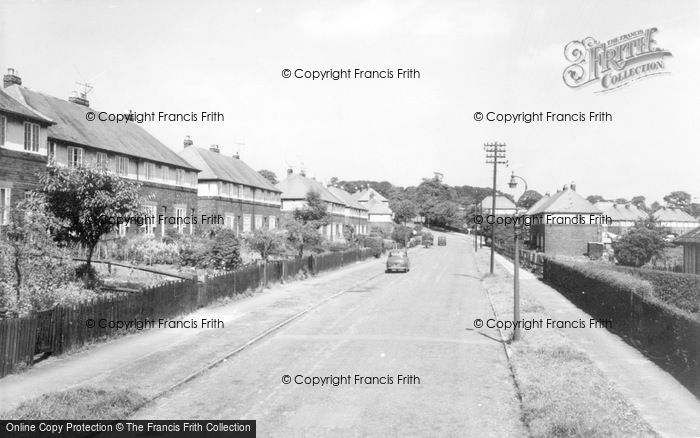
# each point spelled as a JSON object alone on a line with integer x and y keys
{"x": 402, "y": 234}
{"x": 595, "y": 198}
{"x": 303, "y": 227}
{"x": 679, "y": 199}
{"x": 403, "y": 211}
{"x": 637, "y": 247}
{"x": 639, "y": 202}
{"x": 87, "y": 200}
{"x": 528, "y": 199}
{"x": 269, "y": 175}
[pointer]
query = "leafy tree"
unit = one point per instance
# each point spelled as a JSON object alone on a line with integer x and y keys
{"x": 87, "y": 200}
{"x": 402, "y": 234}
{"x": 639, "y": 202}
{"x": 595, "y": 198}
{"x": 314, "y": 211}
{"x": 266, "y": 242}
{"x": 225, "y": 250}
{"x": 445, "y": 213}
{"x": 269, "y": 175}
{"x": 403, "y": 211}
{"x": 528, "y": 199}
{"x": 655, "y": 206}
{"x": 678, "y": 199}
{"x": 638, "y": 246}
{"x": 621, "y": 201}
{"x": 301, "y": 236}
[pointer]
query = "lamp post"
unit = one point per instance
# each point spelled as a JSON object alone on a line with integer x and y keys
{"x": 516, "y": 261}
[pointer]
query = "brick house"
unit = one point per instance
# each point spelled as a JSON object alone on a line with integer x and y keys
{"x": 356, "y": 214}
{"x": 22, "y": 151}
{"x": 553, "y": 228}
{"x": 294, "y": 189}
{"x": 168, "y": 181}
{"x": 691, "y": 251}
{"x": 230, "y": 188}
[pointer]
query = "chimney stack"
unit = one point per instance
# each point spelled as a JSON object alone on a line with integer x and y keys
{"x": 11, "y": 78}
{"x": 214, "y": 148}
{"x": 573, "y": 186}
{"x": 290, "y": 171}
{"x": 302, "y": 172}
{"x": 80, "y": 99}
{"x": 237, "y": 156}
{"x": 188, "y": 141}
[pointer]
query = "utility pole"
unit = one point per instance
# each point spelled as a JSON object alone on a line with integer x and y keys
{"x": 495, "y": 154}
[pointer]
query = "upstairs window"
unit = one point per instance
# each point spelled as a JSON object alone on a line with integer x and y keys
{"x": 179, "y": 176}
{"x": 75, "y": 156}
{"x": 122, "y": 166}
{"x": 166, "y": 174}
{"x": 150, "y": 171}
{"x": 31, "y": 137}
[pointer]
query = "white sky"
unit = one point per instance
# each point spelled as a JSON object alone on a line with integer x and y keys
{"x": 227, "y": 56}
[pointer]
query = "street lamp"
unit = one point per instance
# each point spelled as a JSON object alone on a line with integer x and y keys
{"x": 516, "y": 261}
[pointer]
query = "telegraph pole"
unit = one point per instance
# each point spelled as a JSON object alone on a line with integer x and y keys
{"x": 495, "y": 154}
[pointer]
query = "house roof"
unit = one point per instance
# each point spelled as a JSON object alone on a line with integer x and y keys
{"x": 367, "y": 194}
{"x": 665, "y": 214}
{"x": 346, "y": 198}
{"x": 72, "y": 126}
{"x": 502, "y": 203}
{"x": 534, "y": 207}
{"x": 375, "y": 206}
{"x": 692, "y": 236}
{"x": 8, "y": 104}
{"x": 566, "y": 201}
{"x": 295, "y": 187}
{"x": 216, "y": 166}
{"x": 621, "y": 212}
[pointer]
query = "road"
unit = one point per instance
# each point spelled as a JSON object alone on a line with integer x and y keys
{"x": 418, "y": 324}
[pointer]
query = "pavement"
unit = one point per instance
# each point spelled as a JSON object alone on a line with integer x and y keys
{"x": 661, "y": 400}
{"x": 398, "y": 346}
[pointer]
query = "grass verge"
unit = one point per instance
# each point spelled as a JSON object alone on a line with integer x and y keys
{"x": 85, "y": 403}
{"x": 563, "y": 393}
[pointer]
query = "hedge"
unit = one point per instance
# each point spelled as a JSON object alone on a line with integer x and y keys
{"x": 664, "y": 334}
{"x": 678, "y": 290}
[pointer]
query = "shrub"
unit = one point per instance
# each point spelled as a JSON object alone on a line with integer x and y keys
{"x": 375, "y": 244}
{"x": 638, "y": 246}
{"x": 150, "y": 250}
{"x": 225, "y": 250}
{"x": 338, "y": 246}
{"x": 679, "y": 290}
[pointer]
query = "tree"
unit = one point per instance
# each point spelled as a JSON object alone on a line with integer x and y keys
{"x": 595, "y": 198}
{"x": 638, "y": 246}
{"x": 446, "y": 213}
{"x": 402, "y": 234}
{"x": 679, "y": 199}
{"x": 528, "y": 199}
{"x": 403, "y": 211}
{"x": 87, "y": 201}
{"x": 269, "y": 175}
{"x": 315, "y": 211}
{"x": 655, "y": 206}
{"x": 301, "y": 236}
{"x": 265, "y": 242}
{"x": 639, "y": 202}
{"x": 621, "y": 201}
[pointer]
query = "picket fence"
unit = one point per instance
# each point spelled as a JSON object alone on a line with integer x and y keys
{"x": 64, "y": 328}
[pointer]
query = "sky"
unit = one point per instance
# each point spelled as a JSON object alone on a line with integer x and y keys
{"x": 228, "y": 56}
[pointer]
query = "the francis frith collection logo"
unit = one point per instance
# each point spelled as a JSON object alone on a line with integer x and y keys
{"x": 614, "y": 63}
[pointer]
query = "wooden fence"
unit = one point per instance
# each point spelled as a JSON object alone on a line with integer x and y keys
{"x": 64, "y": 328}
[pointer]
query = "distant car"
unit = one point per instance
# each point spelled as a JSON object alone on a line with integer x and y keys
{"x": 398, "y": 261}
{"x": 442, "y": 241}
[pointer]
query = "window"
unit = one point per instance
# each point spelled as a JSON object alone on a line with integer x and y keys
{"x": 180, "y": 219}
{"x": 150, "y": 219}
{"x": 193, "y": 181}
{"x": 246, "y": 223}
{"x": 273, "y": 222}
{"x": 179, "y": 174}
{"x": 4, "y": 206}
{"x": 75, "y": 156}
{"x": 230, "y": 221}
{"x": 150, "y": 170}
{"x": 122, "y": 166}
{"x": 102, "y": 160}
{"x": 31, "y": 137}
{"x": 3, "y": 127}
{"x": 166, "y": 173}
{"x": 258, "y": 221}
{"x": 51, "y": 149}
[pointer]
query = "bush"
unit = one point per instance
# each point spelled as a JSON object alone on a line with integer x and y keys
{"x": 679, "y": 290}
{"x": 375, "y": 244}
{"x": 338, "y": 246}
{"x": 638, "y": 246}
{"x": 225, "y": 250}
{"x": 150, "y": 250}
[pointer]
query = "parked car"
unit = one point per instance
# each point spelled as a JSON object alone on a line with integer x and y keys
{"x": 398, "y": 261}
{"x": 442, "y": 241}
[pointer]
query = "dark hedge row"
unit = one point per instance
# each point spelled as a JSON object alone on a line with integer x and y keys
{"x": 679, "y": 290}
{"x": 665, "y": 335}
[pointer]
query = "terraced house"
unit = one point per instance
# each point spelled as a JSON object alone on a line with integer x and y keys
{"x": 356, "y": 214}
{"x": 22, "y": 150}
{"x": 61, "y": 133}
{"x": 294, "y": 190}
{"x": 230, "y": 188}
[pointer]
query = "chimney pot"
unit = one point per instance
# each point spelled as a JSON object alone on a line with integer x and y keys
{"x": 11, "y": 78}
{"x": 302, "y": 173}
{"x": 188, "y": 141}
{"x": 573, "y": 187}
{"x": 237, "y": 156}
{"x": 214, "y": 148}
{"x": 290, "y": 171}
